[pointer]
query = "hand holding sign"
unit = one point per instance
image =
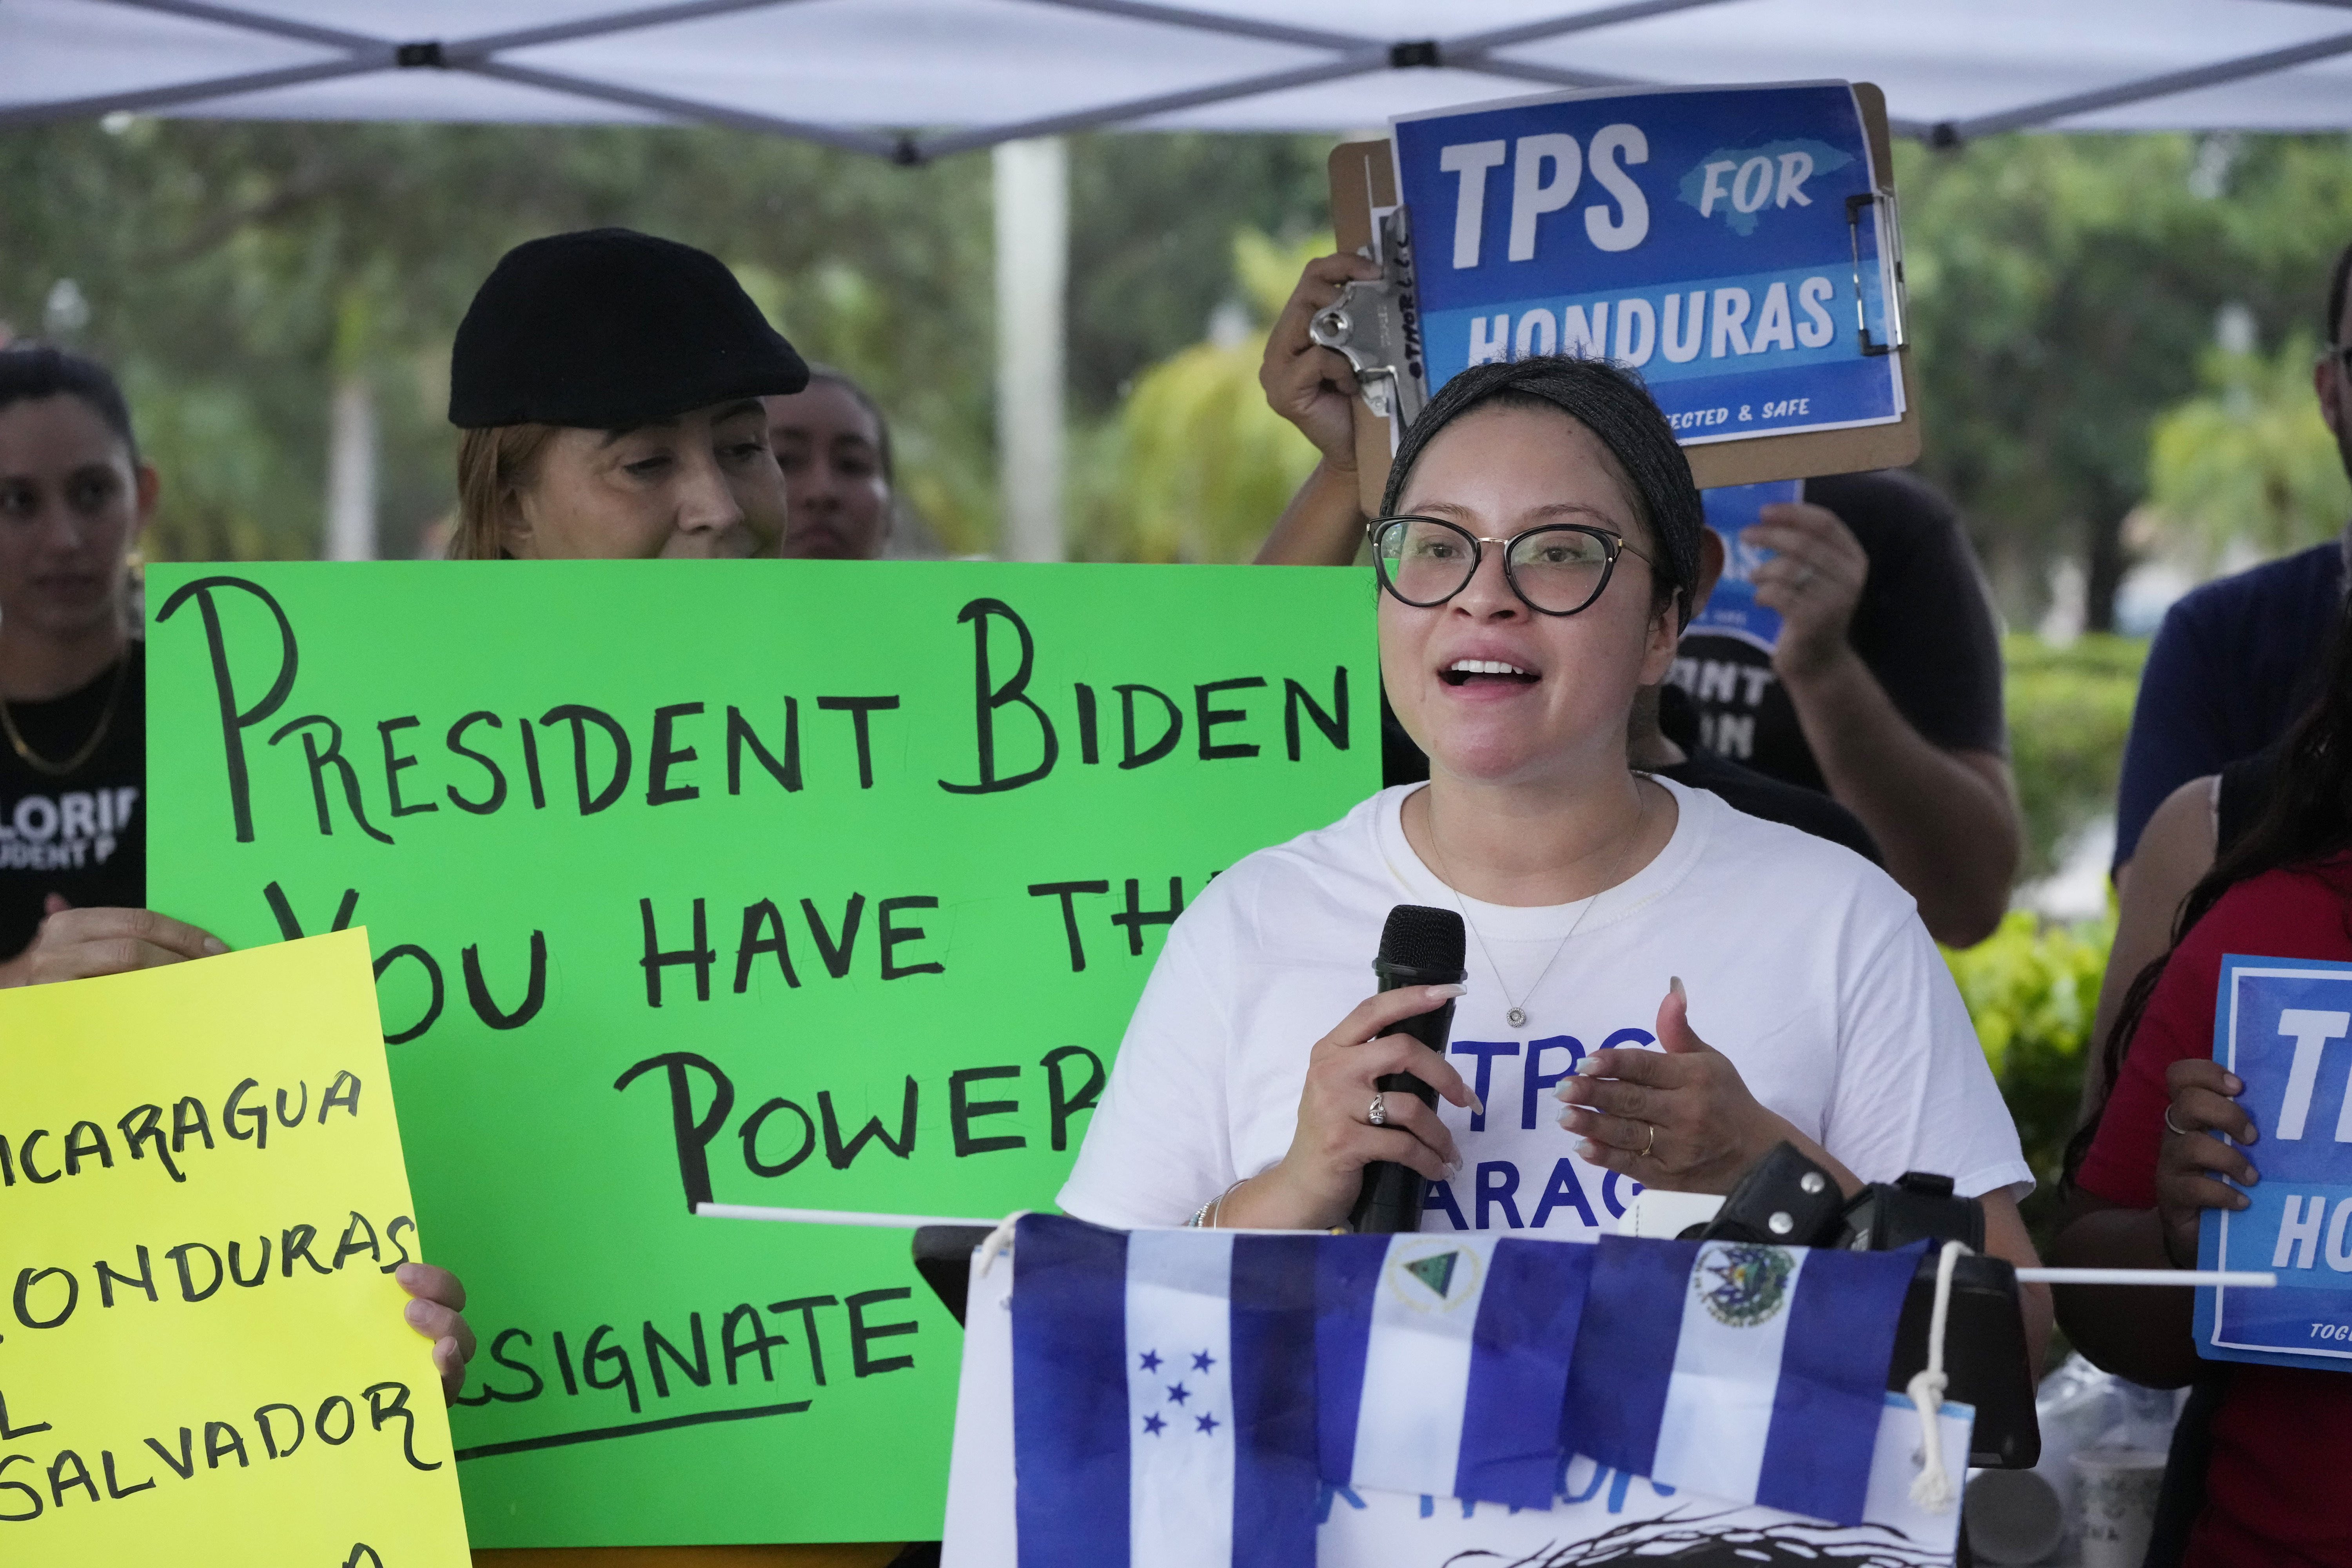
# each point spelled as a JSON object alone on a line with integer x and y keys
{"x": 80, "y": 944}
{"x": 2191, "y": 1165}
{"x": 1814, "y": 579}
{"x": 1313, "y": 387}
{"x": 437, "y": 1311}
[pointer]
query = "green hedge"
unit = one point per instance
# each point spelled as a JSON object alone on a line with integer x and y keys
{"x": 2069, "y": 711}
{"x": 2032, "y": 990}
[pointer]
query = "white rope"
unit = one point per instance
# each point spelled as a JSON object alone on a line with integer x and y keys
{"x": 1932, "y": 1488}
{"x": 999, "y": 1243}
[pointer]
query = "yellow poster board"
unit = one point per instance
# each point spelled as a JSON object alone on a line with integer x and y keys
{"x": 202, "y": 1356}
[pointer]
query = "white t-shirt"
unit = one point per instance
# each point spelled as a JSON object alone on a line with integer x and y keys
{"x": 1804, "y": 964}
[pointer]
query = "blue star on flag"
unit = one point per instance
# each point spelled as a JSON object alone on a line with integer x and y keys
{"x": 1154, "y": 1425}
{"x": 1208, "y": 1422}
{"x": 1179, "y": 1393}
{"x": 1151, "y": 1360}
{"x": 1203, "y": 1361}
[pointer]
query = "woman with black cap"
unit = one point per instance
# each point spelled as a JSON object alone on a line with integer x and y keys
{"x": 1535, "y": 565}
{"x": 608, "y": 385}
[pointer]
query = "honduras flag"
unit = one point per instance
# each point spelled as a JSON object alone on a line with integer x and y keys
{"x": 1182, "y": 1396}
{"x": 1747, "y": 1374}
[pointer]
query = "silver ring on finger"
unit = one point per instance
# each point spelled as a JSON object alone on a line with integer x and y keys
{"x": 2176, "y": 1127}
{"x": 1378, "y": 1113}
{"x": 1650, "y": 1142}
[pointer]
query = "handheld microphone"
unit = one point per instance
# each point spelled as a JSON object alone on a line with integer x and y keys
{"x": 1419, "y": 947}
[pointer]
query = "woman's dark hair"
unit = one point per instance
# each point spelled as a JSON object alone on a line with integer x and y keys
{"x": 826, "y": 375}
{"x": 2308, "y": 818}
{"x": 38, "y": 370}
{"x": 1612, "y": 404}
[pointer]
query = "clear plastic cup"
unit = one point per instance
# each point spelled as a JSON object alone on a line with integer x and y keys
{"x": 2118, "y": 1490}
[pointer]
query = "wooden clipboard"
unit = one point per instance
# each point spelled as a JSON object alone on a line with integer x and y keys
{"x": 1363, "y": 177}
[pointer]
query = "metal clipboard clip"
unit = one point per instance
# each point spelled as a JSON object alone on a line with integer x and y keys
{"x": 1890, "y": 284}
{"x": 1376, "y": 324}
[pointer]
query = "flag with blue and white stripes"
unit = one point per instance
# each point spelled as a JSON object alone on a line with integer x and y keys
{"x": 1747, "y": 1374}
{"x": 1166, "y": 1383}
{"x": 1188, "y": 1396}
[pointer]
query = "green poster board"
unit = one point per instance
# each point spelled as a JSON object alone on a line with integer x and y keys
{"x": 796, "y": 884}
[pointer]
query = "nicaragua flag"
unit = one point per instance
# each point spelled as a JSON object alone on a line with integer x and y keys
{"x": 1181, "y": 1397}
{"x": 1442, "y": 1360}
{"x": 1747, "y": 1374}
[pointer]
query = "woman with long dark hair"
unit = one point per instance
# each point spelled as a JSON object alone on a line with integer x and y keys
{"x": 2247, "y": 1476}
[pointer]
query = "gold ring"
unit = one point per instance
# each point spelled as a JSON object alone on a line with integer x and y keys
{"x": 1651, "y": 1143}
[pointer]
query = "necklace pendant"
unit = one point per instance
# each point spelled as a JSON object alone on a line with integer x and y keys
{"x": 1518, "y": 1016}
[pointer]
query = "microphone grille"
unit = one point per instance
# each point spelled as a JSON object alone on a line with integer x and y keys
{"x": 1419, "y": 937}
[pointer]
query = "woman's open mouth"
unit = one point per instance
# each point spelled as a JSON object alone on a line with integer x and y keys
{"x": 1482, "y": 671}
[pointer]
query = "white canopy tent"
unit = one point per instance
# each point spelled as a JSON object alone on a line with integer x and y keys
{"x": 921, "y": 79}
{"x": 913, "y": 80}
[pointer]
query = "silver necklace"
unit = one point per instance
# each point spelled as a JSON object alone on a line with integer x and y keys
{"x": 1516, "y": 1016}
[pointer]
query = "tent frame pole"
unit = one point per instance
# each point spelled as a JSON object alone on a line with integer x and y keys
{"x": 1351, "y": 56}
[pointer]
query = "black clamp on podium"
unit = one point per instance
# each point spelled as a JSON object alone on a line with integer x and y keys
{"x": 1785, "y": 1200}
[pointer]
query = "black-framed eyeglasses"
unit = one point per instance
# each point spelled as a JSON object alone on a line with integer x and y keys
{"x": 2342, "y": 354}
{"x": 1558, "y": 569}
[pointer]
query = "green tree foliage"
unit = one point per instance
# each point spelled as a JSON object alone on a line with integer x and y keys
{"x": 2070, "y": 710}
{"x": 225, "y": 264}
{"x": 1196, "y": 466}
{"x": 2063, "y": 290}
{"x": 221, "y": 263}
{"x": 2249, "y": 458}
{"x": 2032, "y": 990}
{"x": 1152, "y": 219}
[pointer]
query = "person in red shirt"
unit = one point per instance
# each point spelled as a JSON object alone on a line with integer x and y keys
{"x": 2143, "y": 1170}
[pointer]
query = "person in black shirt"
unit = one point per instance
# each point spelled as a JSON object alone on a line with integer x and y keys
{"x": 1670, "y": 745}
{"x": 73, "y": 712}
{"x": 1884, "y": 691}
{"x": 73, "y": 690}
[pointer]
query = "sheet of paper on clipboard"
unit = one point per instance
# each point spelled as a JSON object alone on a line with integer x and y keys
{"x": 1737, "y": 246}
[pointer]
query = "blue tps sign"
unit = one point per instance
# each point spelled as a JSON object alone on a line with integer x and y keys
{"x": 1731, "y": 610}
{"x": 1701, "y": 237}
{"x": 2284, "y": 1026}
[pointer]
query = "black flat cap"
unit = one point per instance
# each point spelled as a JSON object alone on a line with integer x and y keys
{"x": 607, "y": 329}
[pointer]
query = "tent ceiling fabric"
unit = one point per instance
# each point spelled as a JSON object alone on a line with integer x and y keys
{"x": 921, "y": 79}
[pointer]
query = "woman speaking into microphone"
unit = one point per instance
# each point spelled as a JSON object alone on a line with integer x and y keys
{"x": 1535, "y": 559}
